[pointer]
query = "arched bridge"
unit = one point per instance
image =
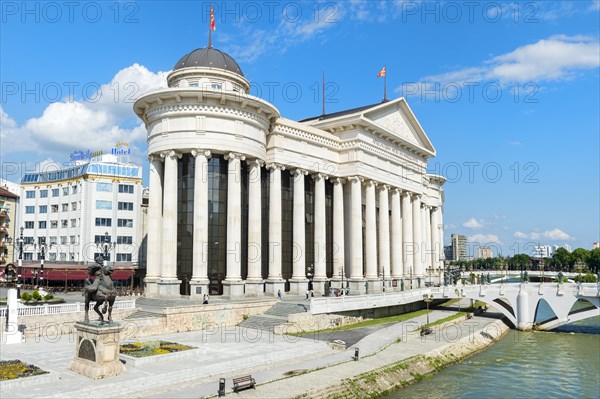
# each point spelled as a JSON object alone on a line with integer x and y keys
{"x": 519, "y": 302}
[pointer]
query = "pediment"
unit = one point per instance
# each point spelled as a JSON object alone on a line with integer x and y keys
{"x": 397, "y": 119}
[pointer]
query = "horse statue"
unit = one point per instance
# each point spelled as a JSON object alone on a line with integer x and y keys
{"x": 100, "y": 290}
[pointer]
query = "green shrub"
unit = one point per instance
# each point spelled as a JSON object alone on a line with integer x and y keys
{"x": 26, "y": 296}
{"x": 36, "y": 296}
{"x": 48, "y": 297}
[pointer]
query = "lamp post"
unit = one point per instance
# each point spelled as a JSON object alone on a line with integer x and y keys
{"x": 382, "y": 274}
{"x": 43, "y": 248}
{"x": 342, "y": 275}
{"x": 427, "y": 298}
{"x": 106, "y": 246}
{"x": 20, "y": 264}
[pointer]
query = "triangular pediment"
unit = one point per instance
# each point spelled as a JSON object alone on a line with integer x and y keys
{"x": 397, "y": 119}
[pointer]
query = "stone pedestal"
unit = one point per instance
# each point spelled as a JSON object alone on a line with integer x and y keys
{"x": 357, "y": 286}
{"x": 319, "y": 286}
{"x": 298, "y": 287}
{"x": 198, "y": 288}
{"x": 151, "y": 287}
{"x": 169, "y": 288}
{"x": 374, "y": 286}
{"x": 12, "y": 334}
{"x": 272, "y": 287}
{"x": 97, "y": 350}
{"x": 233, "y": 289}
{"x": 255, "y": 288}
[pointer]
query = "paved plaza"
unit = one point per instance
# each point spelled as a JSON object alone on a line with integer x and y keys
{"x": 225, "y": 352}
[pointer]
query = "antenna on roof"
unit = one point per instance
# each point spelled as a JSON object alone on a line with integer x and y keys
{"x": 212, "y": 26}
{"x": 323, "y": 90}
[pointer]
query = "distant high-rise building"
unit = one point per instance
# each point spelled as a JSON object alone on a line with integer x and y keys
{"x": 459, "y": 247}
{"x": 542, "y": 251}
{"x": 484, "y": 252}
{"x": 596, "y": 245}
{"x": 448, "y": 252}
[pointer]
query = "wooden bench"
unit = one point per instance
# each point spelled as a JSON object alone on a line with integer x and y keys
{"x": 243, "y": 382}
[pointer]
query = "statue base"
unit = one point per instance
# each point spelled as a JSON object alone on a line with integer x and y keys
{"x": 97, "y": 350}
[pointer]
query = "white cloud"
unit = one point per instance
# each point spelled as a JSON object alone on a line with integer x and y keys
{"x": 555, "y": 58}
{"x": 94, "y": 123}
{"x": 474, "y": 224}
{"x": 485, "y": 238}
{"x": 520, "y": 234}
{"x": 554, "y": 235}
{"x": 514, "y": 143}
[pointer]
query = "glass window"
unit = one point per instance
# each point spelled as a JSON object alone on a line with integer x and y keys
{"x": 101, "y": 255}
{"x": 72, "y": 240}
{"x": 73, "y": 222}
{"x": 54, "y": 224}
{"x": 53, "y": 240}
{"x": 73, "y": 206}
{"x": 63, "y": 256}
{"x": 65, "y": 190}
{"x": 63, "y": 240}
{"x": 42, "y": 224}
{"x": 29, "y": 225}
{"x": 104, "y": 222}
{"x": 103, "y": 204}
{"x": 28, "y": 256}
{"x": 124, "y": 240}
{"x": 101, "y": 239}
{"x": 43, "y": 208}
{"x": 54, "y": 208}
{"x": 126, "y": 206}
{"x": 64, "y": 223}
{"x": 123, "y": 257}
{"x": 125, "y": 222}
{"x": 30, "y": 194}
{"x": 28, "y": 240}
{"x": 106, "y": 187}
{"x": 126, "y": 188}
{"x": 55, "y": 192}
{"x": 74, "y": 190}
{"x": 30, "y": 209}
{"x": 65, "y": 207}
{"x": 52, "y": 255}
{"x": 43, "y": 193}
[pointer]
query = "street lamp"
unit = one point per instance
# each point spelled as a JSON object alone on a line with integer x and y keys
{"x": 427, "y": 298}
{"x": 382, "y": 274}
{"x": 342, "y": 275}
{"x": 41, "y": 245}
{"x": 20, "y": 264}
{"x": 106, "y": 246}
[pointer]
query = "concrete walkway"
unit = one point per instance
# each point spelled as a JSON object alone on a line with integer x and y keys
{"x": 226, "y": 353}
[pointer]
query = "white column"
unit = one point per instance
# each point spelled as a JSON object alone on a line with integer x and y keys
{"x": 338, "y": 229}
{"x": 233, "y": 285}
{"x": 407, "y": 236}
{"x": 435, "y": 234}
{"x": 199, "y": 282}
{"x": 440, "y": 224}
{"x": 396, "y": 241}
{"x": 320, "y": 273}
{"x": 384, "y": 232}
{"x": 155, "y": 225}
{"x": 169, "y": 284}
{"x": 426, "y": 252}
{"x": 299, "y": 283}
{"x": 274, "y": 282}
{"x": 319, "y": 223}
{"x": 254, "y": 280}
{"x": 370, "y": 231}
{"x": 356, "y": 281}
{"x": 417, "y": 235}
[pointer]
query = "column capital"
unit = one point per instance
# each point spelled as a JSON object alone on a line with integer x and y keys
{"x": 383, "y": 187}
{"x": 395, "y": 190}
{"x": 157, "y": 156}
{"x": 337, "y": 180}
{"x": 200, "y": 151}
{"x": 320, "y": 176}
{"x": 416, "y": 196}
{"x": 171, "y": 154}
{"x": 299, "y": 171}
{"x": 353, "y": 179}
{"x": 370, "y": 182}
{"x": 235, "y": 155}
{"x": 273, "y": 165}
{"x": 256, "y": 161}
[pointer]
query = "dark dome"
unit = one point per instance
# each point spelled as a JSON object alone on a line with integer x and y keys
{"x": 210, "y": 58}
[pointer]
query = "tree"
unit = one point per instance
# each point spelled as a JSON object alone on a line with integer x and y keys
{"x": 593, "y": 260}
{"x": 562, "y": 259}
{"x": 580, "y": 256}
{"x": 520, "y": 261}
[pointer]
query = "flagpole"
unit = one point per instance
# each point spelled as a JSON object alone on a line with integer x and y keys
{"x": 323, "y": 90}
{"x": 210, "y": 15}
{"x": 385, "y": 84}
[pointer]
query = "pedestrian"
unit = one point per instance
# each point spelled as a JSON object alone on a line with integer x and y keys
{"x": 279, "y": 294}
{"x": 307, "y": 294}
{"x": 205, "y": 300}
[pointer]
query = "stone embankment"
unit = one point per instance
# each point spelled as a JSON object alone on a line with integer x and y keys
{"x": 383, "y": 380}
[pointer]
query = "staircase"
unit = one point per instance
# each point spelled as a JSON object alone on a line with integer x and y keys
{"x": 142, "y": 314}
{"x": 275, "y": 316}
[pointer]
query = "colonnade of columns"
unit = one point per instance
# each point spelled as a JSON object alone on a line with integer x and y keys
{"x": 402, "y": 236}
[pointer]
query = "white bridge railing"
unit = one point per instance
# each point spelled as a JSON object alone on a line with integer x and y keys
{"x": 64, "y": 308}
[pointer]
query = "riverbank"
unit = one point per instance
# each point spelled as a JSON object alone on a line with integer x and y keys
{"x": 406, "y": 360}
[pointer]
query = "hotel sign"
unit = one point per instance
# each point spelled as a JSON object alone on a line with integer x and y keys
{"x": 84, "y": 155}
{"x": 121, "y": 148}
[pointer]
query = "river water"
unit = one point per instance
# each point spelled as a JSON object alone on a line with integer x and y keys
{"x": 562, "y": 364}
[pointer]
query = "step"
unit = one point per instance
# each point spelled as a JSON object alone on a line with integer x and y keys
{"x": 141, "y": 314}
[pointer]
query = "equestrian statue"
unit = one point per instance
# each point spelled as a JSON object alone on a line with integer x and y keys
{"x": 100, "y": 290}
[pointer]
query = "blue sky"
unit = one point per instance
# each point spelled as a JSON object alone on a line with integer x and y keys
{"x": 507, "y": 92}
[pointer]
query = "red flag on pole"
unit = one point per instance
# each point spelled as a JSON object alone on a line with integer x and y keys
{"x": 381, "y": 73}
{"x": 213, "y": 26}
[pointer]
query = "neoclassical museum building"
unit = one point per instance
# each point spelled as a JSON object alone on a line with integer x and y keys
{"x": 244, "y": 202}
